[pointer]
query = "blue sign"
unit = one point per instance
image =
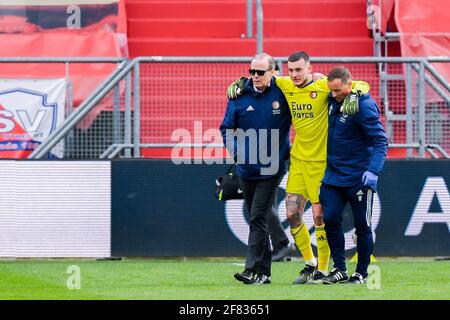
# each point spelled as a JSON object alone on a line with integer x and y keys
{"x": 163, "y": 209}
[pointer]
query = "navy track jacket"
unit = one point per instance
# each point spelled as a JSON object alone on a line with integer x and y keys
{"x": 356, "y": 143}
{"x": 258, "y": 113}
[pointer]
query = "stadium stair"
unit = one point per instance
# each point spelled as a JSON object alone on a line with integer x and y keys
{"x": 218, "y": 28}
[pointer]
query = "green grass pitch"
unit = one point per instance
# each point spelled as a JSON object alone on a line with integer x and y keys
{"x": 210, "y": 279}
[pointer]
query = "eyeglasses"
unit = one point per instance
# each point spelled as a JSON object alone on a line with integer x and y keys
{"x": 258, "y": 72}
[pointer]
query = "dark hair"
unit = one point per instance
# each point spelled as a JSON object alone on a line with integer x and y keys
{"x": 341, "y": 73}
{"x": 298, "y": 55}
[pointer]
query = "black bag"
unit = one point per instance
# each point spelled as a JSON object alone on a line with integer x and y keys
{"x": 228, "y": 186}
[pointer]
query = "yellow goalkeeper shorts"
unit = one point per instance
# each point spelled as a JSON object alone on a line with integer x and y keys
{"x": 305, "y": 178}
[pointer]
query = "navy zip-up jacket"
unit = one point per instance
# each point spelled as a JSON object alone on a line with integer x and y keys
{"x": 356, "y": 143}
{"x": 257, "y": 113}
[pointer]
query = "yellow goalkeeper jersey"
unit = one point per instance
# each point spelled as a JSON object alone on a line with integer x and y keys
{"x": 309, "y": 111}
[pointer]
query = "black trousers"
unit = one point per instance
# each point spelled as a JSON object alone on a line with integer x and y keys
{"x": 278, "y": 237}
{"x": 333, "y": 200}
{"x": 259, "y": 196}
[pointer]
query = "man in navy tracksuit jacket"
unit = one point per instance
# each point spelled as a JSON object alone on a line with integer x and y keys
{"x": 255, "y": 131}
{"x": 356, "y": 150}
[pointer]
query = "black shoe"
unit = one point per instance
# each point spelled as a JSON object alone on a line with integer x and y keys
{"x": 317, "y": 279}
{"x": 336, "y": 276}
{"x": 283, "y": 253}
{"x": 357, "y": 278}
{"x": 305, "y": 275}
{"x": 245, "y": 276}
{"x": 261, "y": 279}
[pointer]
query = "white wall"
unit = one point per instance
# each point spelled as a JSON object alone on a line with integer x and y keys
{"x": 55, "y": 209}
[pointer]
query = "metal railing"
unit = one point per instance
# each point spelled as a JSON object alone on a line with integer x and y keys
{"x": 388, "y": 78}
{"x": 259, "y": 23}
{"x": 79, "y": 114}
{"x": 82, "y": 75}
{"x": 259, "y": 27}
{"x": 249, "y": 13}
{"x": 166, "y": 94}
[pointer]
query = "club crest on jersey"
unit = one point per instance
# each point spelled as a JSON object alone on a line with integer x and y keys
{"x": 276, "y": 107}
{"x": 313, "y": 94}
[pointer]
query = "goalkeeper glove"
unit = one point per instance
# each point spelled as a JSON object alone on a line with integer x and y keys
{"x": 235, "y": 89}
{"x": 350, "y": 105}
{"x": 370, "y": 179}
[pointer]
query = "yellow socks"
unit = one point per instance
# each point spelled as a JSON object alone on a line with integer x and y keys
{"x": 303, "y": 241}
{"x": 323, "y": 250}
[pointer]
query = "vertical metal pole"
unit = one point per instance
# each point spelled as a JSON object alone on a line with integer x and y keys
{"x": 137, "y": 114}
{"x": 280, "y": 66}
{"x": 259, "y": 31}
{"x": 68, "y": 142}
{"x": 380, "y": 15}
{"x": 249, "y": 19}
{"x": 128, "y": 113}
{"x": 409, "y": 110}
{"x": 67, "y": 69}
{"x": 371, "y": 16}
{"x": 377, "y": 45}
{"x": 421, "y": 106}
{"x": 386, "y": 49}
{"x": 116, "y": 113}
{"x": 70, "y": 97}
{"x": 388, "y": 113}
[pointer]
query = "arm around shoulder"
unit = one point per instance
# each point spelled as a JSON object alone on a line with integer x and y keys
{"x": 361, "y": 86}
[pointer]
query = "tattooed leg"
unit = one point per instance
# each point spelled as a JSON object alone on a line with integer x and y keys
{"x": 295, "y": 208}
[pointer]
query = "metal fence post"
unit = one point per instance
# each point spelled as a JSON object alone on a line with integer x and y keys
{"x": 116, "y": 114}
{"x": 68, "y": 144}
{"x": 280, "y": 67}
{"x": 127, "y": 124}
{"x": 421, "y": 109}
{"x": 260, "y": 28}
{"x": 137, "y": 113}
{"x": 409, "y": 111}
{"x": 384, "y": 96}
{"x": 249, "y": 19}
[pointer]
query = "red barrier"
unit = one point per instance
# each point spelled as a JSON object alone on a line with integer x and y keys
{"x": 63, "y": 29}
{"x": 383, "y": 12}
{"x": 425, "y": 30}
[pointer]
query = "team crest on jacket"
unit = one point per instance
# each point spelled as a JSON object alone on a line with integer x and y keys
{"x": 343, "y": 118}
{"x": 313, "y": 94}
{"x": 276, "y": 107}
